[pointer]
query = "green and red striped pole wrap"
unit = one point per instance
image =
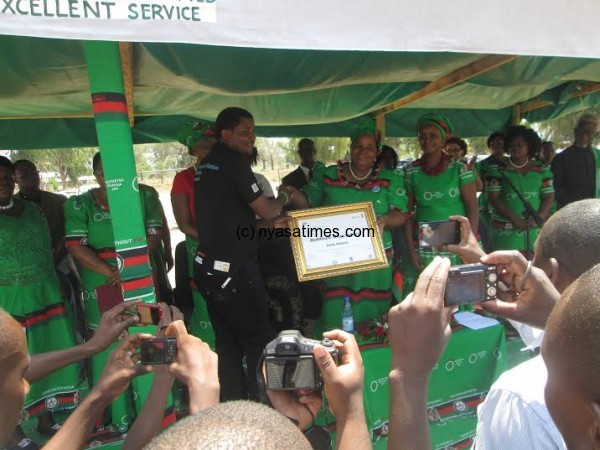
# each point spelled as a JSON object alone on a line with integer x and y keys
{"x": 116, "y": 147}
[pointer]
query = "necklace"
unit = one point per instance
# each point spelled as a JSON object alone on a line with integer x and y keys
{"x": 10, "y": 205}
{"x": 518, "y": 167}
{"x": 438, "y": 168}
{"x": 359, "y": 178}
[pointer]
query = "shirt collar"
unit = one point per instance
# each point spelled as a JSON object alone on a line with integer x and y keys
{"x": 305, "y": 171}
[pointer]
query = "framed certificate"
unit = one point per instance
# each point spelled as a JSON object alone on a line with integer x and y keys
{"x": 336, "y": 240}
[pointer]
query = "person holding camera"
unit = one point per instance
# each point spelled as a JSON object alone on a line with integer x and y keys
{"x": 18, "y": 369}
{"x": 255, "y": 426}
{"x": 521, "y": 193}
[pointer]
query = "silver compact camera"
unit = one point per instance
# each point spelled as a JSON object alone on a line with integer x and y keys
{"x": 290, "y": 363}
{"x": 471, "y": 283}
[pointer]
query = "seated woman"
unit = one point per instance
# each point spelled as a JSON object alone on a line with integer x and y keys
{"x": 31, "y": 293}
{"x": 90, "y": 240}
{"x": 509, "y": 185}
{"x": 199, "y": 139}
{"x": 438, "y": 187}
{"x": 360, "y": 180}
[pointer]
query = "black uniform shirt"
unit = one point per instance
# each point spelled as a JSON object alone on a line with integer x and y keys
{"x": 224, "y": 187}
{"x": 574, "y": 175}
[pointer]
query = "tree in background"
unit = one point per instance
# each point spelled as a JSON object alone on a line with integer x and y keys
{"x": 68, "y": 163}
{"x": 560, "y": 131}
{"x": 271, "y": 152}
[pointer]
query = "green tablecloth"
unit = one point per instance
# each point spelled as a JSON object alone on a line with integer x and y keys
{"x": 473, "y": 360}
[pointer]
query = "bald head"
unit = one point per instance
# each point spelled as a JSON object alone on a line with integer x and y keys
{"x": 12, "y": 338}
{"x": 240, "y": 424}
{"x": 572, "y": 338}
{"x": 14, "y": 360}
{"x": 571, "y": 237}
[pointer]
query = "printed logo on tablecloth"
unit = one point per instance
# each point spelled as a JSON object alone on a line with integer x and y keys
{"x": 119, "y": 263}
{"x": 460, "y": 406}
{"x": 51, "y": 403}
{"x": 376, "y": 384}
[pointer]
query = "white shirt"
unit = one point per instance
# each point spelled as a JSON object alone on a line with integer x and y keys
{"x": 305, "y": 171}
{"x": 264, "y": 185}
{"x": 514, "y": 414}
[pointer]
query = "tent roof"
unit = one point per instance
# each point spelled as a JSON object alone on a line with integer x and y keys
{"x": 45, "y": 102}
{"x": 514, "y": 27}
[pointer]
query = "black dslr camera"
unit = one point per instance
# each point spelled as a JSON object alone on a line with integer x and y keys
{"x": 290, "y": 363}
{"x": 471, "y": 283}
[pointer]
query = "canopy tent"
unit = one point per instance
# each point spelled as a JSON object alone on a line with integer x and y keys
{"x": 340, "y": 65}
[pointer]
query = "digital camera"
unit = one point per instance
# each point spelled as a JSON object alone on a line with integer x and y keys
{"x": 158, "y": 351}
{"x": 290, "y": 364}
{"x": 471, "y": 283}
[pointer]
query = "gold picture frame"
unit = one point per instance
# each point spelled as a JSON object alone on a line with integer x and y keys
{"x": 321, "y": 254}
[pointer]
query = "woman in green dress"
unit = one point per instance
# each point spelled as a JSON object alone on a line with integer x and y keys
{"x": 30, "y": 292}
{"x": 360, "y": 180}
{"x": 519, "y": 177}
{"x": 90, "y": 240}
{"x": 437, "y": 188}
{"x": 199, "y": 139}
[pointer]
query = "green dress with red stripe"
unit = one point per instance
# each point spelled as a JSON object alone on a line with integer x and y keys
{"x": 89, "y": 223}
{"x": 436, "y": 197}
{"x": 30, "y": 292}
{"x": 533, "y": 184}
{"x": 371, "y": 292}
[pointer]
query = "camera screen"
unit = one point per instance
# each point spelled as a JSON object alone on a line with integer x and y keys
{"x": 465, "y": 288}
{"x": 152, "y": 352}
{"x": 290, "y": 373}
{"x": 437, "y": 234}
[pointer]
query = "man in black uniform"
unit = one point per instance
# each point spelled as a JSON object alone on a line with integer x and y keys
{"x": 227, "y": 199}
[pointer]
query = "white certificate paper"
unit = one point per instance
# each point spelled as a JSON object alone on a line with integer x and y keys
{"x": 336, "y": 240}
{"x": 352, "y": 244}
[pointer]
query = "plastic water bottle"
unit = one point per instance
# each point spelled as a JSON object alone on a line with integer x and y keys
{"x": 348, "y": 316}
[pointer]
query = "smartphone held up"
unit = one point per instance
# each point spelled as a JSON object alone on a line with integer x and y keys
{"x": 439, "y": 233}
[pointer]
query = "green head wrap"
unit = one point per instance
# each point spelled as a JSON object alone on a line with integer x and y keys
{"x": 365, "y": 126}
{"x": 193, "y": 132}
{"x": 440, "y": 121}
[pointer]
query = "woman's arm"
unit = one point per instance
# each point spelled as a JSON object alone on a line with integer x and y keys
{"x": 505, "y": 211}
{"x": 89, "y": 260}
{"x": 392, "y": 219}
{"x": 183, "y": 215}
{"x": 546, "y": 205}
{"x": 478, "y": 182}
{"x": 468, "y": 193}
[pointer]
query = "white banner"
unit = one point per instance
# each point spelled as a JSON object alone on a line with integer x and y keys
{"x": 531, "y": 27}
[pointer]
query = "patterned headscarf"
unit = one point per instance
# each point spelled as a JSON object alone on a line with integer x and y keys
{"x": 440, "y": 121}
{"x": 193, "y": 132}
{"x": 365, "y": 126}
